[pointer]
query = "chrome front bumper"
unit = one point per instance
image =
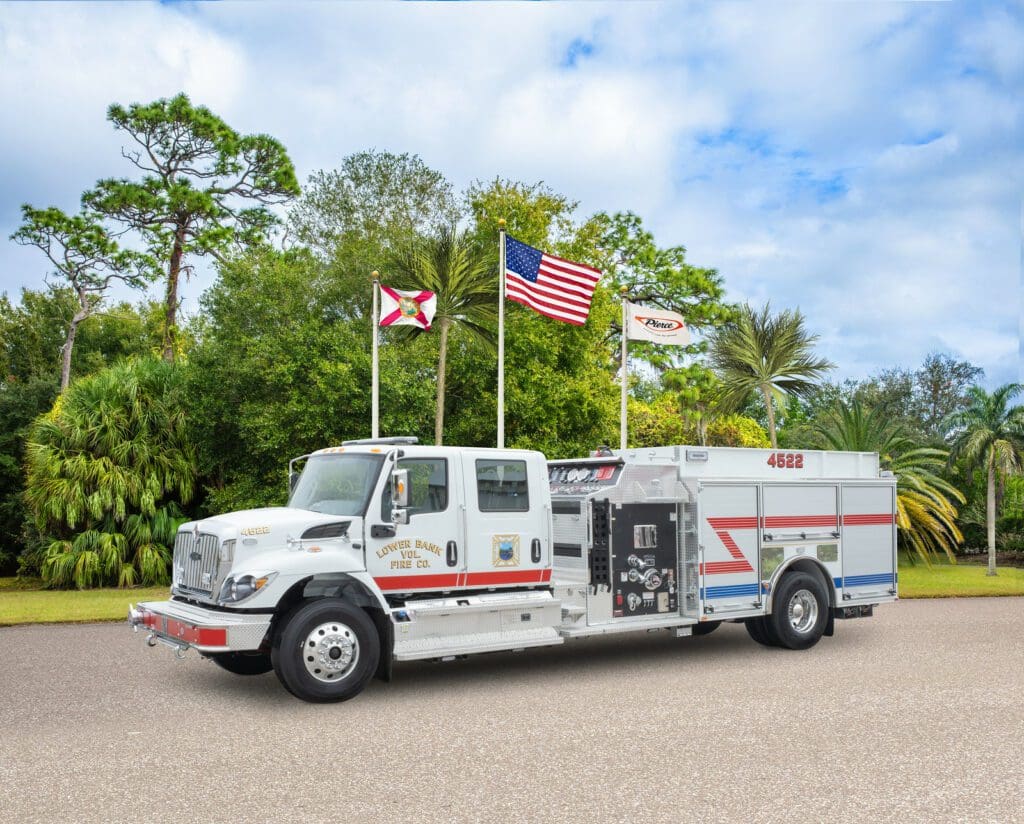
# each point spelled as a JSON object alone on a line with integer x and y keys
{"x": 181, "y": 626}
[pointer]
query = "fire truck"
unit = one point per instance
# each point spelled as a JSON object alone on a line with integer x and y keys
{"x": 393, "y": 551}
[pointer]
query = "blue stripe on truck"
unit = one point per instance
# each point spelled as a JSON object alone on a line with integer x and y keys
{"x": 729, "y": 592}
{"x": 863, "y": 580}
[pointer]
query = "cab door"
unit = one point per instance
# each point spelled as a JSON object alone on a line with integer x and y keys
{"x": 508, "y": 518}
{"x": 425, "y": 554}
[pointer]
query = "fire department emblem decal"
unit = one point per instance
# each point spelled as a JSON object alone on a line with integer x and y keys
{"x": 505, "y": 550}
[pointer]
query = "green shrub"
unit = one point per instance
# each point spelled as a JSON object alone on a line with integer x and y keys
{"x": 108, "y": 468}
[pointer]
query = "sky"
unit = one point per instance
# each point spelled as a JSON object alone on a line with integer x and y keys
{"x": 861, "y": 162}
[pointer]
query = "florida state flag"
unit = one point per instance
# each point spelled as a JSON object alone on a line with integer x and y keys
{"x": 398, "y": 307}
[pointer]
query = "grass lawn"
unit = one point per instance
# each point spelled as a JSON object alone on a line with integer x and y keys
{"x": 944, "y": 580}
{"x": 23, "y": 603}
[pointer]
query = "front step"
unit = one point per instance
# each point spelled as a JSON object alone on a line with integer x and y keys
{"x": 442, "y": 627}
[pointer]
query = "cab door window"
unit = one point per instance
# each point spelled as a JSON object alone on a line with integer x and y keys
{"x": 428, "y": 487}
{"x": 501, "y": 486}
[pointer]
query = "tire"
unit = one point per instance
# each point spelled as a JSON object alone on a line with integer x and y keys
{"x": 760, "y": 630}
{"x": 326, "y": 650}
{"x": 799, "y": 611}
{"x": 242, "y": 663}
{"x": 705, "y": 628}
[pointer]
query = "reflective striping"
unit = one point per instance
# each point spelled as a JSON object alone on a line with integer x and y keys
{"x": 838, "y": 582}
{"x": 184, "y": 631}
{"x": 739, "y": 563}
{"x": 778, "y": 521}
{"x": 711, "y": 593}
{"x": 724, "y": 567}
{"x": 519, "y": 576}
{"x": 880, "y": 519}
{"x": 405, "y": 582}
{"x": 862, "y": 580}
{"x": 733, "y": 523}
{"x": 458, "y": 580}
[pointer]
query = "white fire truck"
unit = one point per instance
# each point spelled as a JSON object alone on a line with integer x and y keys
{"x": 391, "y": 551}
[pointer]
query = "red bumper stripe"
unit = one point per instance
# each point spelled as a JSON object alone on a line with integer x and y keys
{"x": 189, "y": 633}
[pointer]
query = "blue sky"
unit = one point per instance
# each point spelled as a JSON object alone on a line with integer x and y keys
{"x": 863, "y": 162}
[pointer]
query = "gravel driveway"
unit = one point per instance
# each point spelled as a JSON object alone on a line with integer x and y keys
{"x": 914, "y": 715}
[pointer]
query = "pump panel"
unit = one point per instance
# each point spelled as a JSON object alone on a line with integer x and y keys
{"x": 644, "y": 563}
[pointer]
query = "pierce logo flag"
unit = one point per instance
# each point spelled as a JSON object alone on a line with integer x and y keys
{"x": 656, "y": 325}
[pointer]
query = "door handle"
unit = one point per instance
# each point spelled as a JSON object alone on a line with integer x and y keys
{"x": 535, "y": 550}
{"x": 382, "y": 531}
{"x": 452, "y": 553}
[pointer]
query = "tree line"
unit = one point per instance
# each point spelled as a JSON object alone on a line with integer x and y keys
{"x": 122, "y": 420}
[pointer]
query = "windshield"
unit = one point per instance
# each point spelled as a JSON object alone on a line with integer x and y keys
{"x": 337, "y": 484}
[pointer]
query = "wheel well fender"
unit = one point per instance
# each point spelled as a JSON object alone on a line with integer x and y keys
{"x": 345, "y": 586}
{"x": 812, "y": 566}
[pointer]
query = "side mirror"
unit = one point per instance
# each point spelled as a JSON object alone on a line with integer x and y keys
{"x": 400, "y": 496}
{"x": 400, "y": 488}
{"x": 293, "y": 479}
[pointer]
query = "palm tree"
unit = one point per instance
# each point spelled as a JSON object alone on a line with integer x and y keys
{"x": 763, "y": 353}
{"x": 105, "y": 471}
{"x": 466, "y": 285}
{"x": 925, "y": 512}
{"x": 989, "y": 433}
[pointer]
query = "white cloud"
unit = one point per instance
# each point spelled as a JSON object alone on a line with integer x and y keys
{"x": 858, "y": 160}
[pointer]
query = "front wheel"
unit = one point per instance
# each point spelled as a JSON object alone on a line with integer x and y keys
{"x": 799, "y": 611}
{"x": 326, "y": 650}
{"x": 242, "y": 663}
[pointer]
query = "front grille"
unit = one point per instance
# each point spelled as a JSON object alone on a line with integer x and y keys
{"x": 195, "y": 562}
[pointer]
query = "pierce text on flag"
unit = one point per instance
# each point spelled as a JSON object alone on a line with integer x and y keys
{"x": 656, "y": 325}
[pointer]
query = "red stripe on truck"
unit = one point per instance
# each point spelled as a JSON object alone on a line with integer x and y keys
{"x": 799, "y": 520}
{"x": 456, "y": 580}
{"x": 882, "y": 518}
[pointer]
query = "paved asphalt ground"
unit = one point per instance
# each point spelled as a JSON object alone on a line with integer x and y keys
{"x": 914, "y": 715}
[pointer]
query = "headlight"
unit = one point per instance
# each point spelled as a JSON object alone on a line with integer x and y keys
{"x": 239, "y": 588}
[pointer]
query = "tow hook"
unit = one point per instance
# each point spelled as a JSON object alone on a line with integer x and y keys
{"x": 179, "y": 649}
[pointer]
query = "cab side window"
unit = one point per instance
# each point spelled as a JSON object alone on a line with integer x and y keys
{"x": 428, "y": 487}
{"x": 501, "y": 486}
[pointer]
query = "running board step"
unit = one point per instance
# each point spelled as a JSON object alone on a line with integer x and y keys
{"x": 442, "y": 627}
{"x": 413, "y": 650}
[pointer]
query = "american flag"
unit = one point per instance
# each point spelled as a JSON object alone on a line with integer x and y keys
{"x": 549, "y": 285}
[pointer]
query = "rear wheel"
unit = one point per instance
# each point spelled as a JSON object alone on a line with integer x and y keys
{"x": 760, "y": 631}
{"x": 326, "y": 650}
{"x": 799, "y": 611}
{"x": 242, "y": 663}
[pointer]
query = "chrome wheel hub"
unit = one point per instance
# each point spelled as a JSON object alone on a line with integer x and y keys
{"x": 803, "y": 611}
{"x": 330, "y": 651}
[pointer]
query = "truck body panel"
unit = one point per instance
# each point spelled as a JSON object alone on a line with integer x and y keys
{"x": 500, "y": 549}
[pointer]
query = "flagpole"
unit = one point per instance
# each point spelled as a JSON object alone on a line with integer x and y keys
{"x": 622, "y": 407}
{"x": 501, "y": 333}
{"x": 375, "y": 362}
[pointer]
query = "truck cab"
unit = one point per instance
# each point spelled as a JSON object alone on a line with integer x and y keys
{"x": 470, "y": 526}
